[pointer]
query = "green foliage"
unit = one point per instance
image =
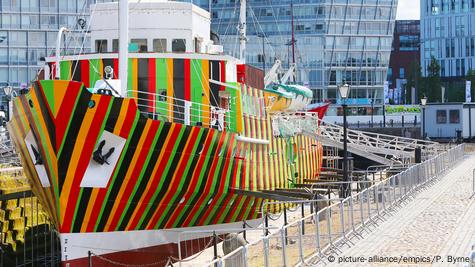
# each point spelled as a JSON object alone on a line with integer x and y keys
{"x": 432, "y": 83}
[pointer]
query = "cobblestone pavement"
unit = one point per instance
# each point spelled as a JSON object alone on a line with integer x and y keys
{"x": 437, "y": 226}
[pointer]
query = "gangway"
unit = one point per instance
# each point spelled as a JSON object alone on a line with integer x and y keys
{"x": 381, "y": 148}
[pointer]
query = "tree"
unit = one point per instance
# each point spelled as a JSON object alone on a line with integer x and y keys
{"x": 433, "y": 82}
{"x": 414, "y": 80}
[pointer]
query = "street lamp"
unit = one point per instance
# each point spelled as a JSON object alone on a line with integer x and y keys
{"x": 344, "y": 92}
{"x": 423, "y": 104}
{"x": 8, "y": 92}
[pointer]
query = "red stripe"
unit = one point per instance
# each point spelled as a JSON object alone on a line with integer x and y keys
{"x": 103, "y": 191}
{"x": 116, "y": 68}
{"x": 155, "y": 179}
{"x": 132, "y": 181}
{"x": 65, "y": 111}
{"x": 164, "y": 161}
{"x": 209, "y": 181}
{"x": 87, "y": 149}
{"x": 187, "y": 80}
{"x": 221, "y": 180}
{"x": 193, "y": 183}
{"x": 222, "y": 65}
{"x": 177, "y": 177}
{"x": 151, "y": 84}
{"x": 85, "y": 72}
{"x": 129, "y": 118}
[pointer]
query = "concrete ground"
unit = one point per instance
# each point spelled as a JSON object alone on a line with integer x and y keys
{"x": 436, "y": 228}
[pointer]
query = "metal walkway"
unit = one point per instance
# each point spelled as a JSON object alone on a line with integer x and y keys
{"x": 381, "y": 148}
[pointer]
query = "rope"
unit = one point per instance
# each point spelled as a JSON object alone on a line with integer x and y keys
{"x": 195, "y": 256}
{"x": 274, "y": 218}
{"x": 129, "y": 265}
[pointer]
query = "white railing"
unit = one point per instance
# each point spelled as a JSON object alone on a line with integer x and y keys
{"x": 182, "y": 111}
{"x": 329, "y": 228}
{"x": 398, "y": 149}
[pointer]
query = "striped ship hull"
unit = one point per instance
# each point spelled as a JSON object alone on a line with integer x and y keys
{"x": 162, "y": 175}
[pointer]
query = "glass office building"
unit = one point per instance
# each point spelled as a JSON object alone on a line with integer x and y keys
{"x": 28, "y": 30}
{"x": 337, "y": 41}
{"x": 448, "y": 34}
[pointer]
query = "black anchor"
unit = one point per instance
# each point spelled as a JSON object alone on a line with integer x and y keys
{"x": 98, "y": 157}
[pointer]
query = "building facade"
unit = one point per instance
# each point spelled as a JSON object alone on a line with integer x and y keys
{"x": 448, "y": 34}
{"x": 335, "y": 42}
{"x": 28, "y": 32}
{"x": 405, "y": 52}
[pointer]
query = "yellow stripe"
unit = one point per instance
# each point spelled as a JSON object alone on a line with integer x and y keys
{"x": 138, "y": 151}
{"x": 77, "y": 151}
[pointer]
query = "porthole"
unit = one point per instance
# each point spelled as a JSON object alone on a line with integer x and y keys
{"x": 92, "y": 104}
{"x": 30, "y": 102}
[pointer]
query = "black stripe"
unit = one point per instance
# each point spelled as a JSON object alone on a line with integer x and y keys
{"x": 77, "y": 117}
{"x": 124, "y": 166}
{"x": 179, "y": 194}
{"x": 113, "y": 114}
{"x": 86, "y": 194}
{"x": 76, "y": 68}
{"x": 50, "y": 126}
{"x": 178, "y": 90}
{"x": 219, "y": 176}
{"x": 142, "y": 83}
{"x": 146, "y": 176}
{"x": 169, "y": 176}
{"x": 214, "y": 88}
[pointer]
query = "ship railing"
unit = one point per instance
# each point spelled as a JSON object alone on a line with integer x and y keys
{"x": 171, "y": 109}
{"x": 317, "y": 237}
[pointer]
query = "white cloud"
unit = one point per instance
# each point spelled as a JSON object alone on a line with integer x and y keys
{"x": 408, "y": 9}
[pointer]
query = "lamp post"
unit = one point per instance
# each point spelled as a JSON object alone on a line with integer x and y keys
{"x": 344, "y": 91}
{"x": 263, "y": 36}
{"x": 423, "y": 104}
{"x": 7, "y": 90}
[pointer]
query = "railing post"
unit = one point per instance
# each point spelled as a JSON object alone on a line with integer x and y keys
{"x": 285, "y": 222}
{"x": 266, "y": 251}
{"x": 89, "y": 258}
{"x": 284, "y": 238}
{"x": 215, "y": 248}
{"x": 300, "y": 229}
{"x": 303, "y": 215}
{"x": 187, "y": 106}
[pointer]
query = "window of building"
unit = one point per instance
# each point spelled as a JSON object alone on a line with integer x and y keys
{"x": 115, "y": 45}
{"x": 3, "y": 56}
{"x": 101, "y": 46}
{"x": 179, "y": 45}
{"x": 390, "y": 74}
{"x": 401, "y": 73}
{"x": 441, "y": 116}
{"x": 408, "y": 42}
{"x": 17, "y": 38}
{"x": 160, "y": 45}
{"x": 454, "y": 115}
{"x": 141, "y": 43}
{"x": 3, "y": 74}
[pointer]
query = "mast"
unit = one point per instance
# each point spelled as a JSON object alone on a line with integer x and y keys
{"x": 123, "y": 45}
{"x": 293, "y": 35}
{"x": 242, "y": 32}
{"x": 58, "y": 51}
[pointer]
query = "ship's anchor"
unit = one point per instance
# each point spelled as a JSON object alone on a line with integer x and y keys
{"x": 98, "y": 157}
{"x": 38, "y": 159}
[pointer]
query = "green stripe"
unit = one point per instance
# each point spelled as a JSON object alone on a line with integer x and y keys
{"x": 141, "y": 176}
{"x": 65, "y": 70}
{"x": 116, "y": 172}
{"x": 162, "y": 178}
{"x": 182, "y": 181}
{"x": 94, "y": 71}
{"x": 161, "y": 71}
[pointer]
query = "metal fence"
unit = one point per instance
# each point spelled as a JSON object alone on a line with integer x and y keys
{"x": 328, "y": 228}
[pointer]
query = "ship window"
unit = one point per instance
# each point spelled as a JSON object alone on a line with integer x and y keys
{"x": 179, "y": 45}
{"x": 115, "y": 45}
{"x": 101, "y": 46}
{"x": 160, "y": 45}
{"x": 162, "y": 95}
{"x": 141, "y": 43}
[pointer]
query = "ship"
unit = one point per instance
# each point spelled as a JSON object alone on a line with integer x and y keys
{"x": 137, "y": 143}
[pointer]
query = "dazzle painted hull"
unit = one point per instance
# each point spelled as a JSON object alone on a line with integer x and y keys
{"x": 140, "y": 247}
{"x": 161, "y": 174}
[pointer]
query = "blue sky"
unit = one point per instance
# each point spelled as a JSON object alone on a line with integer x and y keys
{"x": 408, "y": 9}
